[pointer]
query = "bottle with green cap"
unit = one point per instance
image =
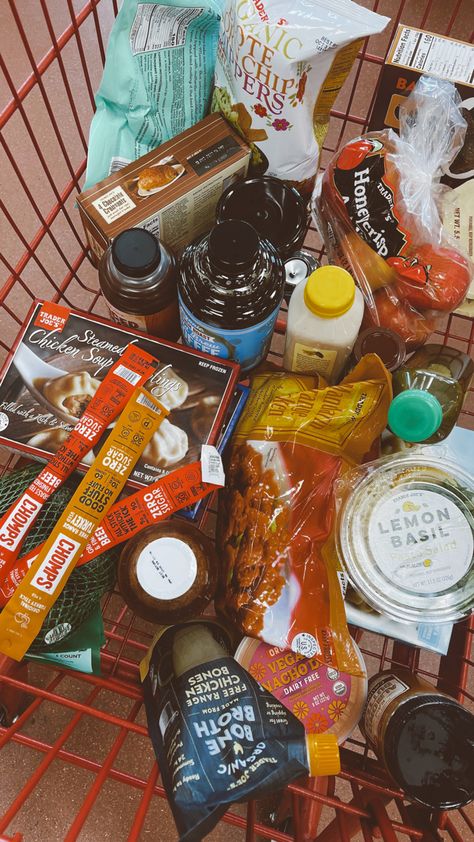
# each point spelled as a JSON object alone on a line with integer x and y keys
{"x": 324, "y": 317}
{"x": 429, "y": 392}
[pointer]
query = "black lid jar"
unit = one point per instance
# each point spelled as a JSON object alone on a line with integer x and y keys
{"x": 273, "y": 208}
{"x": 137, "y": 276}
{"x": 424, "y": 737}
{"x": 230, "y": 287}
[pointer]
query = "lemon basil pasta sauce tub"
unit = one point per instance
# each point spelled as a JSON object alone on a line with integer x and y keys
{"x": 405, "y": 536}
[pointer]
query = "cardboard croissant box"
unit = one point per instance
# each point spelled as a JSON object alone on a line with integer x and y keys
{"x": 58, "y": 360}
{"x": 172, "y": 191}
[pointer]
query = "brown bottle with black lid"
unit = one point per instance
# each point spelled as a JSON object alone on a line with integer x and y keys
{"x": 137, "y": 276}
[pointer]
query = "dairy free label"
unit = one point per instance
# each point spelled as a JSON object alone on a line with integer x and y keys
{"x": 421, "y": 541}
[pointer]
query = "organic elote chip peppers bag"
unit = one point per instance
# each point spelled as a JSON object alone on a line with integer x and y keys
{"x": 279, "y": 69}
{"x": 276, "y": 514}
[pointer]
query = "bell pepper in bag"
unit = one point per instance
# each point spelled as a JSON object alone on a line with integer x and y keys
{"x": 296, "y": 437}
{"x": 377, "y": 210}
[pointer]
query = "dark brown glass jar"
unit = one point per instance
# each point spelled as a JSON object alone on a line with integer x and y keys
{"x": 389, "y": 346}
{"x": 138, "y": 279}
{"x": 168, "y": 572}
{"x": 424, "y": 738}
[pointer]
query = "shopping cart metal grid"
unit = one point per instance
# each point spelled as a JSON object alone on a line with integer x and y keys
{"x": 71, "y": 727}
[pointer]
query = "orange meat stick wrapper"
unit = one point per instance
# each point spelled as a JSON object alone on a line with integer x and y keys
{"x": 180, "y": 488}
{"x": 24, "y": 613}
{"x": 131, "y": 370}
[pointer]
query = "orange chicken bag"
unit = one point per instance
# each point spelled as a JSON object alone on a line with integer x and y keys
{"x": 276, "y": 515}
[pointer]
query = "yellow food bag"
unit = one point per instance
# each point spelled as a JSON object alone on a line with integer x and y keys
{"x": 276, "y": 514}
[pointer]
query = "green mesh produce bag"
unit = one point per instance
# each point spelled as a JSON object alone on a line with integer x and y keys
{"x": 86, "y": 584}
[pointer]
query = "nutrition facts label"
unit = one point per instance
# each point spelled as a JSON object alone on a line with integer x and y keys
{"x": 434, "y": 54}
{"x": 159, "y": 27}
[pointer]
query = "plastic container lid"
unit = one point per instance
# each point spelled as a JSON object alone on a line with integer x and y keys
{"x": 136, "y": 252}
{"x": 274, "y": 209}
{"x": 405, "y": 537}
{"x": 342, "y": 696}
{"x": 430, "y": 741}
{"x": 298, "y": 268}
{"x": 414, "y": 415}
{"x": 329, "y": 292}
{"x": 323, "y": 754}
{"x": 233, "y": 245}
{"x": 389, "y": 346}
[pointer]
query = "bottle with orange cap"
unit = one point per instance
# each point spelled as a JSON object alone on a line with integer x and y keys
{"x": 324, "y": 317}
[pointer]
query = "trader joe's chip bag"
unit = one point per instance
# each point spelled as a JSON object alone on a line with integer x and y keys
{"x": 296, "y": 437}
{"x": 279, "y": 69}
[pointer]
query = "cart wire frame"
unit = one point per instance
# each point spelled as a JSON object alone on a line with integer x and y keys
{"x": 51, "y": 68}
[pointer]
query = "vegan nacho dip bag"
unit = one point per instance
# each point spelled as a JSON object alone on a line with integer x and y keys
{"x": 296, "y": 437}
{"x": 279, "y": 69}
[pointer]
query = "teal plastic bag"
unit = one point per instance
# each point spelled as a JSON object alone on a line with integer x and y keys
{"x": 157, "y": 80}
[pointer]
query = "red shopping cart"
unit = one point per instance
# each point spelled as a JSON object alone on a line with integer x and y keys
{"x": 75, "y": 758}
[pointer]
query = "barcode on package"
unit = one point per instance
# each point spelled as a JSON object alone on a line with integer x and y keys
{"x": 211, "y": 465}
{"x": 113, "y": 204}
{"x": 127, "y": 374}
{"x": 148, "y": 403}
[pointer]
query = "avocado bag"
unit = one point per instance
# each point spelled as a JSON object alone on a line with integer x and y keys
{"x": 219, "y": 737}
{"x": 79, "y": 650}
{"x": 157, "y": 80}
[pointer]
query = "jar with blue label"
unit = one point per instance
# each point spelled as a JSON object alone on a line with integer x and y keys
{"x": 230, "y": 286}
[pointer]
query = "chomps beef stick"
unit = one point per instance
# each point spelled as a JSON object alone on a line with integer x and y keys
{"x": 131, "y": 370}
{"x": 23, "y": 615}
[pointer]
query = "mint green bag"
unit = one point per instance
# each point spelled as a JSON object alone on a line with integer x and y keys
{"x": 157, "y": 80}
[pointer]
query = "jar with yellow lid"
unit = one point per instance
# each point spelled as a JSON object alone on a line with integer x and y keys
{"x": 324, "y": 317}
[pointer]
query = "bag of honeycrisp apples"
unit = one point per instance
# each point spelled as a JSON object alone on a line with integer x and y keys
{"x": 377, "y": 209}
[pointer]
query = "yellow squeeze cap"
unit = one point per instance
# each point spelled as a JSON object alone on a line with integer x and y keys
{"x": 329, "y": 292}
{"x": 323, "y": 754}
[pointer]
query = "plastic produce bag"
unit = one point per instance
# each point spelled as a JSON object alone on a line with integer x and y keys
{"x": 279, "y": 69}
{"x": 87, "y": 584}
{"x": 296, "y": 437}
{"x": 377, "y": 209}
{"x": 157, "y": 79}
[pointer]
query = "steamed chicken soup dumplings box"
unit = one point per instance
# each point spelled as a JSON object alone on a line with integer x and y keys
{"x": 59, "y": 358}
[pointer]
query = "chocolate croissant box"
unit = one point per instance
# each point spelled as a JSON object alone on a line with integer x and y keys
{"x": 60, "y": 357}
